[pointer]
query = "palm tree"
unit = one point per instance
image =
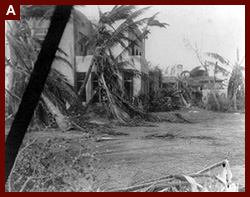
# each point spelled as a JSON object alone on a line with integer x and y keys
{"x": 24, "y": 45}
{"x": 104, "y": 40}
{"x": 236, "y": 85}
{"x": 205, "y": 64}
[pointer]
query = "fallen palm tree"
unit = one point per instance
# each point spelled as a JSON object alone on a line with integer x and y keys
{"x": 108, "y": 66}
{"x": 215, "y": 178}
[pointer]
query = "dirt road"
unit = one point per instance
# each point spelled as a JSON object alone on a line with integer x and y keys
{"x": 144, "y": 153}
{"x": 132, "y": 155}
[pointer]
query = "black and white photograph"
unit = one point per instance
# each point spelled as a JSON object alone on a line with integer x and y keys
{"x": 125, "y": 98}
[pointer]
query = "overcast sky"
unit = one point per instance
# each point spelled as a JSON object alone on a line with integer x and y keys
{"x": 215, "y": 28}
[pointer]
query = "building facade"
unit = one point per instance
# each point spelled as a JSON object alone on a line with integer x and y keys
{"x": 80, "y": 58}
{"x": 133, "y": 85}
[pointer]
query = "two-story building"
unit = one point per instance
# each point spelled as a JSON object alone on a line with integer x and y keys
{"x": 80, "y": 58}
{"x": 132, "y": 85}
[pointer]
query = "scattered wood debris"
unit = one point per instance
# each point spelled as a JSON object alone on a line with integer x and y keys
{"x": 215, "y": 178}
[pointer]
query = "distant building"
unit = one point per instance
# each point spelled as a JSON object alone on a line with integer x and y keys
{"x": 169, "y": 81}
{"x": 200, "y": 85}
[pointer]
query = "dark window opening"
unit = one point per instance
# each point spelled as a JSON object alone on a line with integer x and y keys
{"x": 164, "y": 85}
{"x": 81, "y": 47}
{"x": 80, "y": 76}
{"x": 133, "y": 51}
{"x": 128, "y": 86}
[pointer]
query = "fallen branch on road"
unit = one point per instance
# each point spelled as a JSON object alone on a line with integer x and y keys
{"x": 201, "y": 181}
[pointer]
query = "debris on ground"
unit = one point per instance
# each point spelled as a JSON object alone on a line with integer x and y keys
{"x": 215, "y": 178}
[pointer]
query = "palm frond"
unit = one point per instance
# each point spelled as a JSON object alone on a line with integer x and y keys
{"x": 58, "y": 83}
{"x": 218, "y": 57}
{"x": 154, "y": 22}
{"x": 131, "y": 43}
{"x": 118, "y": 13}
{"x": 241, "y": 63}
{"x": 21, "y": 52}
{"x": 62, "y": 52}
{"x": 138, "y": 13}
{"x": 157, "y": 23}
{"x": 36, "y": 11}
{"x": 23, "y": 46}
{"x": 218, "y": 68}
{"x": 12, "y": 95}
{"x": 62, "y": 59}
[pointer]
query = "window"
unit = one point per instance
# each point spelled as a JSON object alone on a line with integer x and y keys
{"x": 144, "y": 86}
{"x": 133, "y": 51}
{"x": 128, "y": 85}
{"x": 80, "y": 76}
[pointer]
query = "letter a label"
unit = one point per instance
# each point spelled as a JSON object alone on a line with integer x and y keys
{"x": 11, "y": 10}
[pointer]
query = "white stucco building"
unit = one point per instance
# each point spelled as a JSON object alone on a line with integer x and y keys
{"x": 80, "y": 58}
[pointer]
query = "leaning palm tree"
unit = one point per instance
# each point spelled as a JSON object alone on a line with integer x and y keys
{"x": 205, "y": 65}
{"x": 106, "y": 37}
{"x": 24, "y": 45}
{"x": 236, "y": 85}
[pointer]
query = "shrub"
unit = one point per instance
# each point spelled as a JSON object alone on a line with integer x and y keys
{"x": 224, "y": 105}
{"x": 164, "y": 100}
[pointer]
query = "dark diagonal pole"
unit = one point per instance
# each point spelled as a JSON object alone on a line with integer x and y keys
{"x": 35, "y": 86}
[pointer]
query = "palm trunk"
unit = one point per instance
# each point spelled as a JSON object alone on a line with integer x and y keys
{"x": 216, "y": 100}
{"x": 82, "y": 88}
{"x": 235, "y": 100}
{"x": 214, "y": 95}
{"x": 184, "y": 101}
{"x": 61, "y": 120}
{"x": 121, "y": 116}
{"x": 212, "y": 89}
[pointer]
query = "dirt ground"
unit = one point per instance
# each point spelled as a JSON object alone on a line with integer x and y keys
{"x": 172, "y": 148}
{"x": 132, "y": 155}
